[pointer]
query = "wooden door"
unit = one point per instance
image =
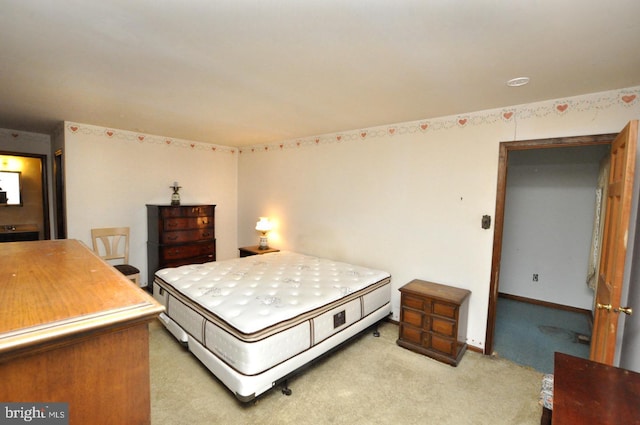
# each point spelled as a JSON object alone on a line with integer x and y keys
{"x": 614, "y": 245}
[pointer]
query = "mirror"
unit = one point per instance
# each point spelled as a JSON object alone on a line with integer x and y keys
{"x": 10, "y": 188}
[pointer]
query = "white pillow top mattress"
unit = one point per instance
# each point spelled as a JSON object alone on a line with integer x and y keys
{"x": 255, "y": 293}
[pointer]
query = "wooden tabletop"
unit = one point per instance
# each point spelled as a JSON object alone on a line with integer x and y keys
{"x": 53, "y": 288}
{"x": 587, "y": 392}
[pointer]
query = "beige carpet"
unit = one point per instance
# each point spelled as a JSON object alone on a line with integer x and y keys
{"x": 369, "y": 381}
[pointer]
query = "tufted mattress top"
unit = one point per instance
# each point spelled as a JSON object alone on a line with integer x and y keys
{"x": 261, "y": 292}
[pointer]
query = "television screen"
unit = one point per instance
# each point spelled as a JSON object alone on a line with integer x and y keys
{"x": 10, "y": 188}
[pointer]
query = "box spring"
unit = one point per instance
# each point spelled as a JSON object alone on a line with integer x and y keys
{"x": 252, "y": 321}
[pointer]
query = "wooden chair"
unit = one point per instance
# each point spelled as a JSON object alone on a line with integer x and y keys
{"x": 112, "y": 243}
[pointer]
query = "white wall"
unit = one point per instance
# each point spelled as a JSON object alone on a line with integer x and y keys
{"x": 408, "y": 198}
{"x": 548, "y": 224}
{"x": 112, "y": 174}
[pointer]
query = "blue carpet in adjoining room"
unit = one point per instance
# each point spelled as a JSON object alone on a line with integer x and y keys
{"x": 529, "y": 334}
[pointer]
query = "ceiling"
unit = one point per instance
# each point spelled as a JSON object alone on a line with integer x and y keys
{"x": 243, "y": 72}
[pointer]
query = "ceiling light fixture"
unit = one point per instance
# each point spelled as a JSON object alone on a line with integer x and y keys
{"x": 517, "y": 82}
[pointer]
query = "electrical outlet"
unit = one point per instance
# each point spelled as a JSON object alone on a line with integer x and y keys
{"x": 535, "y": 277}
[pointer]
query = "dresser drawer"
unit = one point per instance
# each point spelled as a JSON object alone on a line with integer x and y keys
{"x": 444, "y": 345}
{"x": 184, "y": 261}
{"x": 168, "y": 253}
{"x": 412, "y": 317}
{"x": 443, "y": 327}
{"x": 412, "y": 302}
{"x": 182, "y": 223}
{"x": 411, "y": 334}
{"x": 187, "y": 211}
{"x": 443, "y": 309}
{"x": 186, "y": 236}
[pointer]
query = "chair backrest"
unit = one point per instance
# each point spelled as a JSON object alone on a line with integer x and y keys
{"x": 111, "y": 243}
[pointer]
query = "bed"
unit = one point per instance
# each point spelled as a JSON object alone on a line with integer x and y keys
{"x": 256, "y": 320}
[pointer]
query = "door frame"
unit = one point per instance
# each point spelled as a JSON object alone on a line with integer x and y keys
{"x": 505, "y": 148}
{"x": 59, "y": 195}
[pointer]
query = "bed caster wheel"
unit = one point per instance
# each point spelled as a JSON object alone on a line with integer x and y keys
{"x": 285, "y": 388}
{"x": 376, "y": 333}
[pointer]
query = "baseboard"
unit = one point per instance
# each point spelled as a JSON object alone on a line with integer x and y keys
{"x": 475, "y": 349}
{"x": 545, "y": 303}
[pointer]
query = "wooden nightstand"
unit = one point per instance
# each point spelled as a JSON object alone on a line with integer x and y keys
{"x": 247, "y": 251}
{"x": 433, "y": 320}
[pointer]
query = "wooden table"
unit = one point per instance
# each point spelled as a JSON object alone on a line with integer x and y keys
{"x": 587, "y": 392}
{"x": 73, "y": 330}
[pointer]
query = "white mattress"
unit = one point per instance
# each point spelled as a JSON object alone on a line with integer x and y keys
{"x": 257, "y": 312}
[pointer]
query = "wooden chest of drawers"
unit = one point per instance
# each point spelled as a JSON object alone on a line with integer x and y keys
{"x": 433, "y": 320}
{"x": 179, "y": 235}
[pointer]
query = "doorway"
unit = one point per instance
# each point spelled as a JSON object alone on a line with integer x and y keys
{"x": 32, "y": 212}
{"x": 506, "y": 148}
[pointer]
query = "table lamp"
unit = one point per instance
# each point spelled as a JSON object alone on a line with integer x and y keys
{"x": 263, "y": 226}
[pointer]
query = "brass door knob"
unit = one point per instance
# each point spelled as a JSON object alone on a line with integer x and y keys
{"x": 626, "y": 310}
{"x": 604, "y": 306}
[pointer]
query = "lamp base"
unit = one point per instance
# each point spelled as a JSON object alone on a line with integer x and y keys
{"x": 264, "y": 244}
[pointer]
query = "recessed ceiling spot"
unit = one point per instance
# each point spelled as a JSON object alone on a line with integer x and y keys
{"x": 517, "y": 82}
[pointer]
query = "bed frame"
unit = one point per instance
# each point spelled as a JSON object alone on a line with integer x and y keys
{"x": 293, "y": 309}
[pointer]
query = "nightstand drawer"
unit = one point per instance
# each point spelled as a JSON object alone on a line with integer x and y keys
{"x": 412, "y": 302}
{"x": 446, "y": 310}
{"x": 411, "y": 334}
{"x": 443, "y": 327}
{"x": 444, "y": 345}
{"x": 412, "y": 317}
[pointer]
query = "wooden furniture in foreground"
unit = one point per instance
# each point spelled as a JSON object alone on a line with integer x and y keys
{"x": 247, "y": 251}
{"x": 433, "y": 320}
{"x": 179, "y": 235}
{"x": 587, "y": 392}
{"x": 73, "y": 330}
{"x": 112, "y": 243}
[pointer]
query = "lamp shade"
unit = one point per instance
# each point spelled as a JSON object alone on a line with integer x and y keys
{"x": 263, "y": 224}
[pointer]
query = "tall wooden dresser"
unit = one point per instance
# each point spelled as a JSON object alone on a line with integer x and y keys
{"x": 433, "y": 320}
{"x": 179, "y": 235}
{"x": 73, "y": 330}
